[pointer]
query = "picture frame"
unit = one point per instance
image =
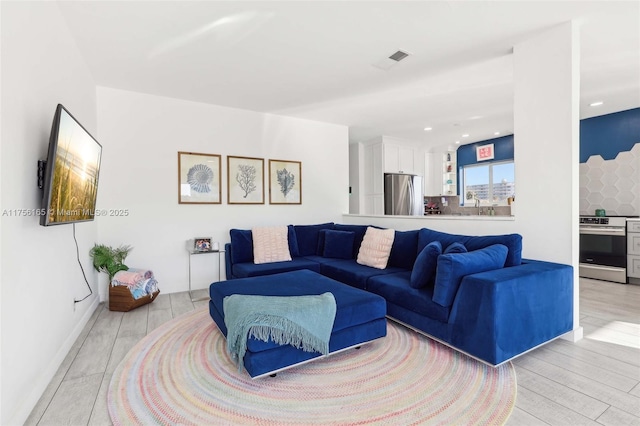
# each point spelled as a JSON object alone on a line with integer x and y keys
{"x": 285, "y": 182}
{"x": 199, "y": 178}
{"x": 201, "y": 244}
{"x": 245, "y": 180}
{"x": 484, "y": 152}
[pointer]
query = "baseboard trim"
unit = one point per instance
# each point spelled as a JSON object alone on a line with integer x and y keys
{"x": 22, "y": 413}
{"x": 574, "y": 335}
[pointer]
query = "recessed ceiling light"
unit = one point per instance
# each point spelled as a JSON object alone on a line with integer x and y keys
{"x": 426, "y": 129}
{"x": 496, "y": 133}
{"x": 466, "y": 135}
{"x": 457, "y": 142}
{"x": 596, "y": 103}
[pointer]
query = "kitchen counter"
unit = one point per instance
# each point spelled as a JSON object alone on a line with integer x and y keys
{"x": 467, "y": 225}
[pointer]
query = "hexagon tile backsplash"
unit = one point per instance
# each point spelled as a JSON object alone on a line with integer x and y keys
{"x": 613, "y": 185}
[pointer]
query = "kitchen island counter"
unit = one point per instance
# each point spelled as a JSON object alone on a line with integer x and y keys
{"x": 437, "y": 217}
{"x": 466, "y": 225}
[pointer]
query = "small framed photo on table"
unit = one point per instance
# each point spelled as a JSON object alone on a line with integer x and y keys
{"x": 202, "y": 244}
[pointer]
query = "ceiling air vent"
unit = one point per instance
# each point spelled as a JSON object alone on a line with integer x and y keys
{"x": 399, "y": 55}
{"x": 389, "y": 62}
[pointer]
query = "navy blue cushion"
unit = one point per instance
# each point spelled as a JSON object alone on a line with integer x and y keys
{"x": 250, "y": 269}
{"x": 321, "y": 236}
{"x": 404, "y": 249}
{"x": 241, "y": 245}
{"x": 338, "y": 244}
{"x": 455, "y": 248}
{"x": 424, "y": 269}
{"x": 350, "y": 272}
{"x": 293, "y": 241}
{"x": 453, "y": 267}
{"x": 307, "y": 237}
{"x": 512, "y": 241}
{"x": 395, "y": 289}
{"x": 358, "y": 230}
{"x": 321, "y": 259}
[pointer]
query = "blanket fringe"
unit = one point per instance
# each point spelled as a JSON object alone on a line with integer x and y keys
{"x": 278, "y": 329}
{"x": 285, "y": 332}
{"x": 304, "y": 322}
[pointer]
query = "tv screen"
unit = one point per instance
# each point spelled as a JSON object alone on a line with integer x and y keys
{"x": 71, "y": 174}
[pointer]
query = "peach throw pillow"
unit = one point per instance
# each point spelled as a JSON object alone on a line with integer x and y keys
{"x": 270, "y": 244}
{"x": 376, "y": 247}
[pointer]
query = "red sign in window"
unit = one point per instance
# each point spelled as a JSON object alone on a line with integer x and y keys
{"x": 484, "y": 152}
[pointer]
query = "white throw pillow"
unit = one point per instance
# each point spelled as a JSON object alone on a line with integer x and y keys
{"x": 376, "y": 247}
{"x": 270, "y": 244}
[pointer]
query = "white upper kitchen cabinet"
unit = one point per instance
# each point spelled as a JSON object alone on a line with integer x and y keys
{"x": 399, "y": 159}
{"x": 388, "y": 155}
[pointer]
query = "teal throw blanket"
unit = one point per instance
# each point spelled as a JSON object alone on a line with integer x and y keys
{"x": 304, "y": 322}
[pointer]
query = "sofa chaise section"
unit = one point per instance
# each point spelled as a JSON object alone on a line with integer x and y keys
{"x": 496, "y": 315}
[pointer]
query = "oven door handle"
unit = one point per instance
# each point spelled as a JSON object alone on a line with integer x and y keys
{"x": 603, "y": 231}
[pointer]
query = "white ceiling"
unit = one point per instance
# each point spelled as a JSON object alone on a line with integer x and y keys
{"x": 315, "y": 59}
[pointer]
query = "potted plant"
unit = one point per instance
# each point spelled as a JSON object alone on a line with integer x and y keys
{"x": 108, "y": 259}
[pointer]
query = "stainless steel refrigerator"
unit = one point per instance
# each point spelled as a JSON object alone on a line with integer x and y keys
{"x": 403, "y": 195}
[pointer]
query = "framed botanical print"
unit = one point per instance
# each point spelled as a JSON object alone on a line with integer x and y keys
{"x": 285, "y": 182}
{"x": 245, "y": 180}
{"x": 199, "y": 178}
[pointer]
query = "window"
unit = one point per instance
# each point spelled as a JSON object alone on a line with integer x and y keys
{"x": 489, "y": 183}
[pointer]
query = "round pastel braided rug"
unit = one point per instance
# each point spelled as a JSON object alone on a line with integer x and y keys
{"x": 181, "y": 374}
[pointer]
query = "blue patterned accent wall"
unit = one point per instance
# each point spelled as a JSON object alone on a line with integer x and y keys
{"x": 609, "y": 134}
{"x": 610, "y": 164}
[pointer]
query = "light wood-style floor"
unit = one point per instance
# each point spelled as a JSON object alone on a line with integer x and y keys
{"x": 595, "y": 381}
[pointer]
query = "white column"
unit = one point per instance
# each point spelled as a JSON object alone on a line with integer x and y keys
{"x": 546, "y": 128}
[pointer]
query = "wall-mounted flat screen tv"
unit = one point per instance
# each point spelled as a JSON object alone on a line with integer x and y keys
{"x": 71, "y": 172}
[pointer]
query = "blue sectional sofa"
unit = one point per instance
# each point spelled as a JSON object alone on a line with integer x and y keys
{"x": 473, "y": 293}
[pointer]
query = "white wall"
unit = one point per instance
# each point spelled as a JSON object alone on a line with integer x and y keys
{"x": 39, "y": 274}
{"x": 142, "y": 134}
{"x": 547, "y": 144}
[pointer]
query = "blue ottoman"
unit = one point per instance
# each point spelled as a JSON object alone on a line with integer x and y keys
{"x": 360, "y": 316}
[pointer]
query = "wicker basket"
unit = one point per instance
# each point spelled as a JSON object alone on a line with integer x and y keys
{"x": 121, "y": 299}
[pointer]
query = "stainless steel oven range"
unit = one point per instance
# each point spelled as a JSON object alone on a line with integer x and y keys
{"x": 603, "y": 248}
